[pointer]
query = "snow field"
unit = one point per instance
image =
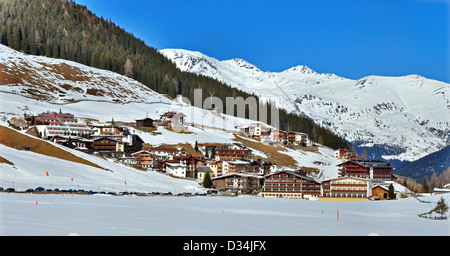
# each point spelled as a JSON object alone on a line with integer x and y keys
{"x": 62, "y": 215}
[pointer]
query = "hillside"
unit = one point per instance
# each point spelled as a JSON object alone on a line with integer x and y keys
{"x": 397, "y": 118}
{"x": 75, "y": 33}
{"x": 31, "y": 93}
{"x": 437, "y": 162}
{"x": 60, "y": 81}
{"x": 18, "y": 141}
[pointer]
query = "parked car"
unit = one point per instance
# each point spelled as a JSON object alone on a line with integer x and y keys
{"x": 10, "y": 190}
{"x": 212, "y": 192}
{"x": 30, "y": 190}
{"x": 39, "y": 189}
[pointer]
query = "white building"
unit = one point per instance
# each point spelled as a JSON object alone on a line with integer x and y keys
{"x": 65, "y": 128}
{"x": 176, "y": 169}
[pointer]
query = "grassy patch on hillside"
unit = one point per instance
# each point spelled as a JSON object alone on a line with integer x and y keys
{"x": 14, "y": 139}
{"x": 272, "y": 152}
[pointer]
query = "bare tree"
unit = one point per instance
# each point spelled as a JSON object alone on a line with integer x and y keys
{"x": 128, "y": 68}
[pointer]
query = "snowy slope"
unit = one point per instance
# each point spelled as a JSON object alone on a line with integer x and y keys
{"x": 62, "y": 81}
{"x": 408, "y": 114}
{"x": 29, "y": 171}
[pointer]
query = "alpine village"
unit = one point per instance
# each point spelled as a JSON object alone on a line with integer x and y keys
{"x": 77, "y": 35}
{"x": 223, "y": 169}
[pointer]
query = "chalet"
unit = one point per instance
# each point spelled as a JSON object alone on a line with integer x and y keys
{"x": 108, "y": 146}
{"x": 297, "y": 138}
{"x": 191, "y": 162}
{"x": 233, "y": 154}
{"x": 243, "y": 183}
{"x": 279, "y": 136}
{"x": 132, "y": 142}
{"x": 219, "y": 168}
{"x": 176, "y": 169}
{"x": 290, "y": 184}
{"x": 144, "y": 159}
{"x": 343, "y": 154}
{"x": 170, "y": 118}
{"x": 99, "y": 130}
{"x": 347, "y": 187}
{"x": 380, "y": 191}
{"x": 237, "y": 166}
{"x": 201, "y": 172}
{"x": 146, "y": 122}
{"x": 209, "y": 147}
{"x": 167, "y": 153}
{"x": 261, "y": 167}
{"x": 375, "y": 170}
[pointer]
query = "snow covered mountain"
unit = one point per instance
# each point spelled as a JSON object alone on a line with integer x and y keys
{"x": 401, "y": 118}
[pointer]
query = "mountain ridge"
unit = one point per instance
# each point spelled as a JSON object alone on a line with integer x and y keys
{"x": 409, "y": 112}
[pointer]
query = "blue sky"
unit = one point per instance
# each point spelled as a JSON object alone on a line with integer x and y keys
{"x": 352, "y": 38}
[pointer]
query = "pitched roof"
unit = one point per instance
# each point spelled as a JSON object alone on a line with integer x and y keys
{"x": 293, "y": 173}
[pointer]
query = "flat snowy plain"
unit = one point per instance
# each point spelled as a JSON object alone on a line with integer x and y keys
{"x": 105, "y": 215}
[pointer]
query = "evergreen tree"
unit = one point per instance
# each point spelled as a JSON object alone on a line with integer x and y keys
{"x": 196, "y": 146}
{"x": 425, "y": 188}
{"x": 441, "y": 207}
{"x": 391, "y": 192}
{"x": 70, "y": 144}
{"x": 207, "y": 182}
{"x": 213, "y": 152}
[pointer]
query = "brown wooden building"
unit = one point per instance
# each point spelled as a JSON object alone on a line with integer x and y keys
{"x": 146, "y": 122}
{"x": 144, "y": 159}
{"x": 377, "y": 171}
{"x": 381, "y": 192}
{"x": 242, "y": 182}
{"x": 290, "y": 184}
{"x": 233, "y": 154}
{"x": 108, "y": 146}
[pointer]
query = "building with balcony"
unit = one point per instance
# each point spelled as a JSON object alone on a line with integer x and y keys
{"x": 290, "y": 184}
